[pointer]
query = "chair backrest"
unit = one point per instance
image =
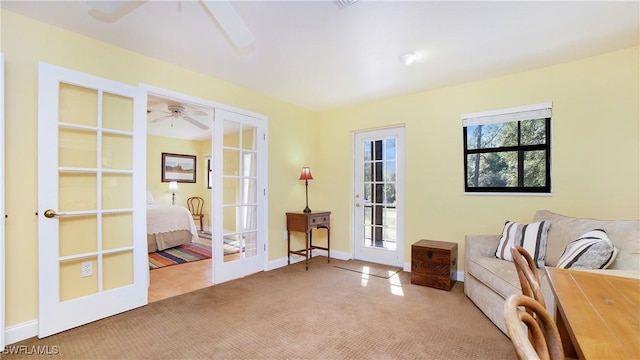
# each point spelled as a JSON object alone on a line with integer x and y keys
{"x": 542, "y": 341}
{"x": 195, "y": 205}
{"x": 527, "y": 273}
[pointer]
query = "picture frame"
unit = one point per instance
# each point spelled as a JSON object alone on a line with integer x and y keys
{"x": 179, "y": 168}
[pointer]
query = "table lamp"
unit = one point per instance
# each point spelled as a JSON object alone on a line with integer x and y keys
{"x": 173, "y": 189}
{"x": 306, "y": 176}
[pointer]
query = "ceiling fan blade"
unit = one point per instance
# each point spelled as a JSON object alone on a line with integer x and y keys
{"x": 112, "y": 11}
{"x": 195, "y": 122}
{"x": 161, "y": 118}
{"x": 230, "y": 22}
{"x": 196, "y": 113}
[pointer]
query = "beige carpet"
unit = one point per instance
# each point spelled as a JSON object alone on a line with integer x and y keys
{"x": 381, "y": 271}
{"x": 290, "y": 313}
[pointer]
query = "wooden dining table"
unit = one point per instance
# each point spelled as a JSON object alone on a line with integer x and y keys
{"x": 598, "y": 315}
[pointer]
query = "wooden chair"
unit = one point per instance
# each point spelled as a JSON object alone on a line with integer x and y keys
{"x": 527, "y": 273}
{"x": 196, "y": 205}
{"x": 542, "y": 340}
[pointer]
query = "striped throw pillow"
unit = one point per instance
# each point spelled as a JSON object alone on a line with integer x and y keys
{"x": 593, "y": 250}
{"x": 532, "y": 237}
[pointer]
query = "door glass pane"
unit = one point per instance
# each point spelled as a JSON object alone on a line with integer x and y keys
{"x": 117, "y": 112}
{"x": 250, "y": 244}
{"x": 248, "y": 137}
{"x": 117, "y": 152}
{"x": 117, "y": 231}
{"x": 118, "y": 269}
{"x": 231, "y": 189}
{"x": 77, "y": 148}
{"x": 232, "y": 134}
{"x": 72, "y": 283}
{"x": 77, "y": 191}
{"x": 78, "y": 235}
{"x": 231, "y": 162}
{"x": 78, "y": 105}
{"x": 116, "y": 191}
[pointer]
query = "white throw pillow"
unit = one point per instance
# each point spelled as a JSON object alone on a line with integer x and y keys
{"x": 532, "y": 237}
{"x": 593, "y": 250}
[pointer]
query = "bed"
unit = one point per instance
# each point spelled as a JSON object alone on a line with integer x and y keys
{"x": 168, "y": 226}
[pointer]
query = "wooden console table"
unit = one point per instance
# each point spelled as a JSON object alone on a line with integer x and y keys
{"x": 306, "y": 222}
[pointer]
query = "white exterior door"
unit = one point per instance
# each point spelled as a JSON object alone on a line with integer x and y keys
{"x": 91, "y": 194}
{"x": 379, "y": 196}
{"x": 239, "y": 195}
{"x": 2, "y": 325}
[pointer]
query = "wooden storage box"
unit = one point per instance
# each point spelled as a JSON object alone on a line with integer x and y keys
{"x": 434, "y": 264}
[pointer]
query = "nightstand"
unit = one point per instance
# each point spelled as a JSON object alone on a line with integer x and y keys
{"x": 306, "y": 222}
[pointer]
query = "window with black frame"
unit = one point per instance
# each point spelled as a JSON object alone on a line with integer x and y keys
{"x": 508, "y": 150}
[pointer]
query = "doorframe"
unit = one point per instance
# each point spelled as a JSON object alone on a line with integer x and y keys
{"x": 162, "y": 92}
{"x": 2, "y": 204}
{"x": 400, "y": 192}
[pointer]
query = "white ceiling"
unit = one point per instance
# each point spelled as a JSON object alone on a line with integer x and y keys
{"x": 320, "y": 55}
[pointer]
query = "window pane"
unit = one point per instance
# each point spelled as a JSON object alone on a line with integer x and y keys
{"x": 492, "y": 169}
{"x": 390, "y": 171}
{"x": 390, "y": 194}
{"x": 492, "y": 135}
{"x": 390, "y": 149}
{"x": 367, "y": 151}
{"x": 535, "y": 168}
{"x": 533, "y": 132}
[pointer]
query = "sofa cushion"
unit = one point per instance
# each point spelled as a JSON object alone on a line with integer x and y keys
{"x": 532, "y": 237}
{"x": 495, "y": 273}
{"x": 592, "y": 250}
{"x": 623, "y": 233}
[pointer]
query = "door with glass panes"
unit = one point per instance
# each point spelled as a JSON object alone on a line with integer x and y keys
{"x": 239, "y": 195}
{"x": 379, "y": 196}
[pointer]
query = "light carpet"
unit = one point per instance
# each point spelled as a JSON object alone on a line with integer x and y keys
{"x": 290, "y": 313}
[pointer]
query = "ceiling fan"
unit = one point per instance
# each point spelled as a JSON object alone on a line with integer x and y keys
{"x": 220, "y": 11}
{"x": 176, "y": 111}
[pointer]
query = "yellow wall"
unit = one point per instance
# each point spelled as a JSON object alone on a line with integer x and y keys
{"x": 595, "y": 148}
{"x": 26, "y": 42}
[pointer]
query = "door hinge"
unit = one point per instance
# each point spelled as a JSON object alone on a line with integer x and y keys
{"x": 264, "y": 136}
{"x": 265, "y": 247}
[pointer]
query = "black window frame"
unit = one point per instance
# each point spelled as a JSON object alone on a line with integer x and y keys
{"x": 520, "y": 149}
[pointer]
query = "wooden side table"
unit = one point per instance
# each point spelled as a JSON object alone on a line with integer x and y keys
{"x": 434, "y": 264}
{"x": 305, "y": 222}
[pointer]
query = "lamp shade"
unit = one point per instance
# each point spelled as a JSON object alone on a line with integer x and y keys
{"x": 306, "y": 174}
{"x": 173, "y": 187}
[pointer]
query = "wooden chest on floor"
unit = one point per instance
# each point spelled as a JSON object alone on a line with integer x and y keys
{"x": 434, "y": 264}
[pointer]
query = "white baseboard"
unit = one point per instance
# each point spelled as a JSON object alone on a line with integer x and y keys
{"x": 19, "y": 332}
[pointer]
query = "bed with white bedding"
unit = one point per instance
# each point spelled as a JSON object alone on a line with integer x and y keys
{"x": 169, "y": 226}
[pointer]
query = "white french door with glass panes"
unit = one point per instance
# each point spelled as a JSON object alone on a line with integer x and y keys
{"x": 379, "y": 196}
{"x": 2, "y": 257}
{"x": 92, "y": 244}
{"x": 239, "y": 195}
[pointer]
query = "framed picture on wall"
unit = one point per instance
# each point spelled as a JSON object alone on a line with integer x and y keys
{"x": 180, "y": 168}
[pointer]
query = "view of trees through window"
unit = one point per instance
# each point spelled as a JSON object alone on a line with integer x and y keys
{"x": 509, "y": 156}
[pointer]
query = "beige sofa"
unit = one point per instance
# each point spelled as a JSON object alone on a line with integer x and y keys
{"x": 489, "y": 281}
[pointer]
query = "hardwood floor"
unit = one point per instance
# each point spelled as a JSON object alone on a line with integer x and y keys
{"x": 179, "y": 279}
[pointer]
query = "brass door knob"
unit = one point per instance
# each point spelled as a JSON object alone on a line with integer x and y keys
{"x": 50, "y": 213}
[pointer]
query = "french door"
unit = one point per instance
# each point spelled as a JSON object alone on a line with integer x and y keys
{"x": 91, "y": 194}
{"x": 2, "y": 260}
{"x": 239, "y": 195}
{"x": 379, "y": 196}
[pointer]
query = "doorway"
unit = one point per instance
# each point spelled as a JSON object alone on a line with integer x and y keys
{"x": 379, "y": 196}
{"x": 177, "y": 125}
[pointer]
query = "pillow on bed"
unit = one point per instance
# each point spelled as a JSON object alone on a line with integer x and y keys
{"x": 150, "y": 199}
